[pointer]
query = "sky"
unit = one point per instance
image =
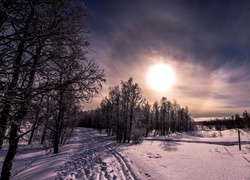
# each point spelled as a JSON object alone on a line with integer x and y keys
{"x": 206, "y": 43}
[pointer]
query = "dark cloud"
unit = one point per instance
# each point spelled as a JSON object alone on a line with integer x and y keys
{"x": 208, "y": 30}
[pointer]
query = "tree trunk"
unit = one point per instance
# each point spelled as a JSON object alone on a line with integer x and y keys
{"x": 13, "y": 141}
{"x": 56, "y": 134}
{"x": 56, "y": 142}
{"x": 58, "y": 123}
{"x": 46, "y": 120}
{"x": 3, "y": 122}
{"x": 9, "y": 94}
{"x": 15, "y": 76}
{"x": 130, "y": 124}
{"x": 43, "y": 135}
{"x": 13, "y": 144}
{"x": 32, "y": 133}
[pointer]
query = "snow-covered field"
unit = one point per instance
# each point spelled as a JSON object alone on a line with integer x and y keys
{"x": 89, "y": 155}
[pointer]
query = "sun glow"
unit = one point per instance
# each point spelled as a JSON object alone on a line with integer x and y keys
{"x": 161, "y": 77}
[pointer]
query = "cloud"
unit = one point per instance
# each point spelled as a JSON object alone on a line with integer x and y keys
{"x": 207, "y": 33}
{"x": 206, "y": 42}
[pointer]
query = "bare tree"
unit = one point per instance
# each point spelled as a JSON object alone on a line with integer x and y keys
{"x": 174, "y": 116}
{"x": 107, "y": 110}
{"x": 163, "y": 111}
{"x": 156, "y": 117}
{"x": 132, "y": 118}
{"x": 119, "y": 109}
{"x": 40, "y": 41}
{"x": 75, "y": 78}
{"x": 115, "y": 99}
{"x": 246, "y": 119}
{"x": 131, "y": 97}
{"x": 145, "y": 107}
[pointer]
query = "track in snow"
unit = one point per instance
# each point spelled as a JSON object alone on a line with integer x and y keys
{"x": 96, "y": 158}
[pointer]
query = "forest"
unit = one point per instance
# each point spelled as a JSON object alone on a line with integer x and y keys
{"x": 130, "y": 117}
{"x": 234, "y": 122}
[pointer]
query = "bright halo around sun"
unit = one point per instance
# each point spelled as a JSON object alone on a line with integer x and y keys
{"x": 161, "y": 77}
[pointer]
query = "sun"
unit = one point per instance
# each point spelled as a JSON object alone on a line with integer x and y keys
{"x": 161, "y": 77}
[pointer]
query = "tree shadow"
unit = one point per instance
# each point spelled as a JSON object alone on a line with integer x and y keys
{"x": 185, "y": 135}
{"x": 169, "y": 145}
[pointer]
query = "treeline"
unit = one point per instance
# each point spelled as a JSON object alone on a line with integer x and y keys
{"x": 125, "y": 114}
{"x": 233, "y": 122}
{"x": 44, "y": 75}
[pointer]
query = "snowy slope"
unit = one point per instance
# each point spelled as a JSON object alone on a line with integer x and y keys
{"x": 199, "y": 155}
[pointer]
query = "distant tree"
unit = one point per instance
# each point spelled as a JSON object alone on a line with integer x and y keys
{"x": 188, "y": 120}
{"x": 181, "y": 118}
{"x": 145, "y": 107}
{"x": 169, "y": 109}
{"x": 238, "y": 121}
{"x": 235, "y": 121}
{"x": 48, "y": 106}
{"x": 107, "y": 110}
{"x": 131, "y": 97}
{"x": 131, "y": 118}
{"x": 115, "y": 99}
{"x": 163, "y": 111}
{"x": 174, "y": 116}
{"x": 156, "y": 117}
{"x": 246, "y": 119}
{"x": 36, "y": 116}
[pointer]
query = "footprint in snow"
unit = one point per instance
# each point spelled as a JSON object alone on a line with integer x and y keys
{"x": 155, "y": 156}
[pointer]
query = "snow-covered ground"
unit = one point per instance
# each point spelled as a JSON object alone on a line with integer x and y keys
{"x": 89, "y": 155}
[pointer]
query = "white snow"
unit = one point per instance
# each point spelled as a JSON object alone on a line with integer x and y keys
{"x": 89, "y": 155}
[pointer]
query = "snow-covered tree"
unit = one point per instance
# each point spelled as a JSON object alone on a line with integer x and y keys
{"x": 42, "y": 52}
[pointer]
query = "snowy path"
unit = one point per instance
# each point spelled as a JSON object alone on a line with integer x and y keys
{"x": 96, "y": 158}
